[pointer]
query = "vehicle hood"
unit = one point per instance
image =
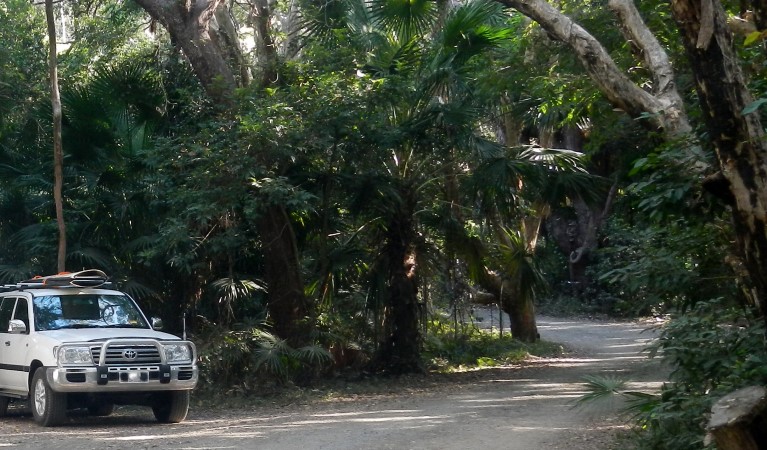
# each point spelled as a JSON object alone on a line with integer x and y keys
{"x": 102, "y": 334}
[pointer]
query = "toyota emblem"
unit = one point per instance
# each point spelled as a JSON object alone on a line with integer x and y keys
{"x": 130, "y": 354}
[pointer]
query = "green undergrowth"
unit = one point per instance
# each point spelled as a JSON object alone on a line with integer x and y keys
{"x": 451, "y": 358}
{"x": 448, "y": 350}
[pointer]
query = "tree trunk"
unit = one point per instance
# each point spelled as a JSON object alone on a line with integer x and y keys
{"x": 189, "y": 24}
{"x": 522, "y": 321}
{"x": 519, "y": 307}
{"x": 737, "y": 138}
{"x": 739, "y": 420}
{"x": 399, "y": 350}
{"x": 226, "y": 38}
{"x": 58, "y": 151}
{"x": 288, "y": 306}
{"x": 261, "y": 17}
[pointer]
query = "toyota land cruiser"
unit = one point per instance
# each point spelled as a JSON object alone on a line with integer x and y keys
{"x": 71, "y": 341}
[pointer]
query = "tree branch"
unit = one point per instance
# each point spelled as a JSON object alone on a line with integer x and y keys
{"x": 609, "y": 78}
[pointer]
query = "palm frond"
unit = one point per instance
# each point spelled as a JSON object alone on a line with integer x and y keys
{"x": 137, "y": 289}
{"x": 473, "y": 28}
{"x": 272, "y": 354}
{"x": 314, "y": 355}
{"x": 323, "y": 21}
{"x": 609, "y": 389}
{"x": 518, "y": 262}
{"x": 12, "y": 273}
{"x": 404, "y": 18}
{"x": 561, "y": 173}
{"x": 391, "y": 57}
{"x": 601, "y": 387}
{"x": 90, "y": 257}
{"x": 233, "y": 288}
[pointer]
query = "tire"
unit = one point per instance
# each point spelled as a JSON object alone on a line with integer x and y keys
{"x": 49, "y": 408}
{"x": 171, "y": 407}
{"x": 101, "y": 409}
{"x": 4, "y": 406}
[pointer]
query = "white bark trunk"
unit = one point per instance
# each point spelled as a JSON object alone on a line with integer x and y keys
{"x": 658, "y": 63}
{"x": 664, "y": 105}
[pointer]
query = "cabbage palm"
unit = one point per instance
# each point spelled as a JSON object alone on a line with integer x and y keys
{"x": 426, "y": 122}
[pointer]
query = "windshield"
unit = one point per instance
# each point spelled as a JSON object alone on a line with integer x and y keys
{"x": 55, "y": 312}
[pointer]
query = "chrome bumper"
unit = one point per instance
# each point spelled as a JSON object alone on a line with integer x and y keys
{"x": 122, "y": 379}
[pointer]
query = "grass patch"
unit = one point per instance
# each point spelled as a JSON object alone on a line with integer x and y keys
{"x": 447, "y": 351}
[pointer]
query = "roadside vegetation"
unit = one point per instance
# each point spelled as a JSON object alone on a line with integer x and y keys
{"x": 323, "y": 191}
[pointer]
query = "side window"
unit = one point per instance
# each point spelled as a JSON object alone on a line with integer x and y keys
{"x": 6, "y": 309}
{"x": 22, "y": 312}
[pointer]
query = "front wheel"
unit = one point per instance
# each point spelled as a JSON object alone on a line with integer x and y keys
{"x": 171, "y": 407}
{"x": 49, "y": 407}
{"x": 4, "y": 406}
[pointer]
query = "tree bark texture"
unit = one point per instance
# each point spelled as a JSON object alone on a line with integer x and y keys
{"x": 737, "y": 138}
{"x": 261, "y": 18}
{"x": 225, "y": 37}
{"x": 58, "y": 150}
{"x": 519, "y": 307}
{"x": 739, "y": 420}
{"x": 189, "y": 24}
{"x": 399, "y": 350}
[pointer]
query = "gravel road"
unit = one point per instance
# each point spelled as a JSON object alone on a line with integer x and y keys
{"x": 525, "y": 407}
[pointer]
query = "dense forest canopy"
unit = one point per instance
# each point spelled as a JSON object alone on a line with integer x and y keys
{"x": 348, "y": 175}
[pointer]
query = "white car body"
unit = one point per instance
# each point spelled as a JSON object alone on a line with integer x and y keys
{"x": 106, "y": 356}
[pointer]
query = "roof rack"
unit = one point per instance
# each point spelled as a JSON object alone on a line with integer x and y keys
{"x": 83, "y": 278}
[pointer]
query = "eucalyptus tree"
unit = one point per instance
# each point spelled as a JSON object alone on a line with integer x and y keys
{"x": 736, "y": 130}
{"x": 189, "y": 25}
{"x": 722, "y": 89}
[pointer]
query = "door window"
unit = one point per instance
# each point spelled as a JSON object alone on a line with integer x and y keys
{"x": 22, "y": 312}
{"x": 6, "y": 311}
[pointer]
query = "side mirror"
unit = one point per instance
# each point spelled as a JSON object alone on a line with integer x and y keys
{"x": 156, "y": 323}
{"x": 17, "y": 326}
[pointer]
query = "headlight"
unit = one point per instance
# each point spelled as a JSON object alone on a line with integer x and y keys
{"x": 178, "y": 353}
{"x": 75, "y": 356}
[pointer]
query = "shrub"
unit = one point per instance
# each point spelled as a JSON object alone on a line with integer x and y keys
{"x": 713, "y": 349}
{"x": 242, "y": 359}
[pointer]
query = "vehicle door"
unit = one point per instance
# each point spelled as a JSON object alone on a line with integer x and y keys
{"x": 15, "y": 346}
{"x": 6, "y": 312}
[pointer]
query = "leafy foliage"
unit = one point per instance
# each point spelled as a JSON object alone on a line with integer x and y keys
{"x": 702, "y": 372}
{"x": 252, "y": 356}
{"x": 448, "y": 347}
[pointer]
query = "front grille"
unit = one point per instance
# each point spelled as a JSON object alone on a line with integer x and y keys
{"x": 120, "y": 355}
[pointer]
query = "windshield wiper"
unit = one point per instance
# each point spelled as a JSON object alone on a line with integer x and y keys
{"x": 76, "y": 325}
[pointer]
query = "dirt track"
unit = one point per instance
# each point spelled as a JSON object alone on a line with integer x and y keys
{"x": 524, "y": 408}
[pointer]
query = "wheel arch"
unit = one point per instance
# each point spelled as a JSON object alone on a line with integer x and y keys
{"x": 33, "y": 366}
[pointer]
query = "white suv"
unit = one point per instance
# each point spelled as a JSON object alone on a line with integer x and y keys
{"x": 69, "y": 341}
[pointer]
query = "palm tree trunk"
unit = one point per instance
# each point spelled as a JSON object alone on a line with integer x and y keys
{"x": 399, "y": 349}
